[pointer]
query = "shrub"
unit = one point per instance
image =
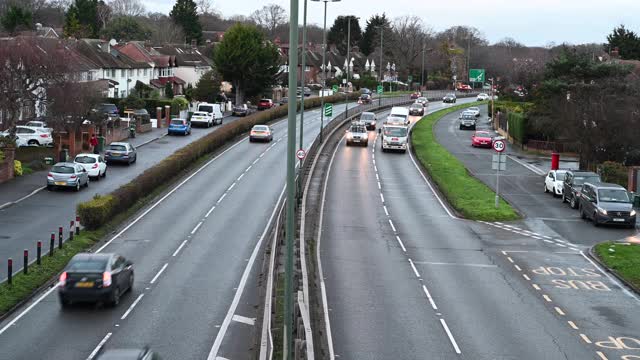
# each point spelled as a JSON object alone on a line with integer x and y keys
{"x": 517, "y": 126}
{"x": 614, "y": 172}
{"x": 97, "y": 211}
{"x": 17, "y": 167}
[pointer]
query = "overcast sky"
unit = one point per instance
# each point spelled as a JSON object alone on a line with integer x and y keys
{"x": 532, "y": 22}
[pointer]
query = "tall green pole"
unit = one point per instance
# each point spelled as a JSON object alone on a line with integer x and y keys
{"x": 346, "y": 102}
{"x": 381, "y": 67}
{"x": 291, "y": 173}
{"x": 302, "y": 73}
{"x": 324, "y": 68}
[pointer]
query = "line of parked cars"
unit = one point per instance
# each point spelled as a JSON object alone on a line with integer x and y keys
{"x": 600, "y": 202}
{"x": 33, "y": 133}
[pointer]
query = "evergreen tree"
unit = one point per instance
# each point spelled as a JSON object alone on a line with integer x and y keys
{"x": 82, "y": 20}
{"x": 185, "y": 14}
{"x": 338, "y": 33}
{"x": 371, "y": 37}
{"x": 16, "y": 18}
{"x": 207, "y": 88}
{"x": 627, "y": 42}
{"x": 126, "y": 28}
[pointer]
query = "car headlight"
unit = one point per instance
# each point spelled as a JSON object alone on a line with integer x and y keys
{"x": 632, "y": 213}
{"x": 349, "y": 136}
{"x": 602, "y": 211}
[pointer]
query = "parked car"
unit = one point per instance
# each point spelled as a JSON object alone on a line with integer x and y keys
{"x": 364, "y": 99}
{"x": 306, "y": 91}
{"x": 36, "y": 124}
{"x": 30, "y": 136}
{"x": 483, "y": 97}
{"x": 283, "y": 101}
{"x": 474, "y": 110}
{"x": 357, "y": 134}
{"x": 605, "y": 203}
{"x": 95, "y": 278}
{"x": 467, "y": 120}
{"x": 482, "y": 138}
{"x": 110, "y": 110}
{"x": 554, "y": 182}
{"x": 369, "y": 119}
{"x": 261, "y": 133}
{"x": 573, "y": 181}
{"x": 201, "y": 118}
{"x": 120, "y": 152}
{"x": 214, "y": 110}
{"x": 94, "y": 164}
{"x": 67, "y": 175}
{"x": 128, "y": 354}
{"x": 422, "y": 100}
{"x": 179, "y": 126}
{"x": 449, "y": 98}
{"x": 416, "y": 109}
{"x": 265, "y": 104}
{"x": 241, "y": 110}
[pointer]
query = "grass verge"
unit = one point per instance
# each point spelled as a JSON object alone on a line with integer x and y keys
{"x": 469, "y": 196}
{"x": 624, "y": 260}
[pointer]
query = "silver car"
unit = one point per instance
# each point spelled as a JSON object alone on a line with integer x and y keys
{"x": 261, "y": 133}
{"x": 67, "y": 174}
{"x": 120, "y": 152}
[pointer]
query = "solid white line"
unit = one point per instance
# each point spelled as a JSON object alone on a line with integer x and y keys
{"x": 385, "y": 209}
{"x": 243, "y": 282}
{"x": 561, "y": 245}
{"x": 100, "y": 345}
{"x": 548, "y": 241}
{"x": 624, "y": 288}
{"x": 175, "y": 253}
{"x": 453, "y": 341}
{"x": 210, "y": 211}
{"x": 221, "y": 198}
{"x": 159, "y": 273}
{"x": 231, "y": 187}
{"x": 415, "y": 271}
{"x": 392, "y": 227}
{"x": 401, "y": 244}
{"x": 28, "y": 195}
{"x": 196, "y": 228}
{"x": 433, "y": 303}
{"x": 130, "y": 309}
{"x": 530, "y": 167}
{"x": 244, "y": 319}
{"x": 382, "y": 197}
{"x": 455, "y": 264}
{"x": 536, "y": 237}
{"x": 240, "y": 177}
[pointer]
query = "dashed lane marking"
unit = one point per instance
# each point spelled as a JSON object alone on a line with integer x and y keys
{"x": 453, "y": 341}
{"x": 433, "y": 303}
{"x": 573, "y": 325}
{"x": 100, "y": 345}
{"x": 546, "y": 297}
{"x": 526, "y": 277}
{"x": 175, "y": 253}
{"x": 401, "y": 244}
{"x": 415, "y": 270}
{"x": 130, "y": 309}
{"x": 196, "y": 228}
{"x": 392, "y": 226}
{"x": 585, "y": 338}
{"x": 559, "y": 311}
{"x": 159, "y": 273}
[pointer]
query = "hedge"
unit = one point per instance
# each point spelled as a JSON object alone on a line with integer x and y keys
{"x": 517, "y": 126}
{"x": 513, "y": 106}
{"x": 98, "y": 211}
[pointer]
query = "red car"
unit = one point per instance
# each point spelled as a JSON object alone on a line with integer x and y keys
{"x": 415, "y": 95}
{"x": 265, "y": 104}
{"x": 482, "y": 138}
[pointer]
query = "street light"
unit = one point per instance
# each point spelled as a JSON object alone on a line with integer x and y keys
{"x": 348, "y": 62}
{"x": 324, "y": 66}
{"x": 381, "y": 28}
{"x": 422, "y": 72}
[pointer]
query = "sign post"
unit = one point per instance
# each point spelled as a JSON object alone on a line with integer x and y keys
{"x": 328, "y": 110}
{"x": 334, "y": 88}
{"x": 380, "y": 90}
{"x": 499, "y": 163}
{"x": 476, "y": 75}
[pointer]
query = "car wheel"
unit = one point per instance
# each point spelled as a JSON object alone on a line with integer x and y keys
{"x": 130, "y": 282}
{"x": 33, "y": 143}
{"x": 250, "y": 140}
{"x": 460, "y": 127}
{"x": 582, "y": 214}
{"x": 366, "y": 144}
{"x": 115, "y": 300}
{"x": 97, "y": 178}
{"x": 104, "y": 175}
{"x": 573, "y": 203}
{"x": 87, "y": 183}
{"x": 77, "y": 188}
{"x": 595, "y": 220}
{"x": 546, "y": 189}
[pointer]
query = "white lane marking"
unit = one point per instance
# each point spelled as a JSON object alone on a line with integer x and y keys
{"x": 196, "y": 228}
{"x": 415, "y": 270}
{"x": 255, "y": 161}
{"x": 382, "y": 197}
{"x": 392, "y": 227}
{"x": 231, "y": 187}
{"x": 455, "y": 264}
{"x": 240, "y": 177}
{"x": 510, "y": 259}
{"x": 401, "y": 244}
{"x": 249, "y": 168}
{"x": 175, "y": 253}
{"x": 624, "y": 289}
{"x": 548, "y": 241}
{"x": 221, "y": 358}
{"x": 453, "y": 341}
{"x": 375, "y": 168}
{"x": 561, "y": 245}
{"x": 159, "y": 273}
{"x": 547, "y": 298}
{"x": 585, "y": 338}
{"x": 377, "y": 177}
{"x": 221, "y": 198}
{"x": 210, "y": 211}
{"x": 546, "y": 237}
{"x": 243, "y": 282}
{"x": 526, "y": 277}
{"x": 379, "y": 186}
{"x": 535, "y": 286}
{"x": 536, "y": 237}
{"x": 100, "y": 345}
{"x": 433, "y": 303}
{"x": 373, "y": 156}
{"x": 244, "y": 320}
{"x": 559, "y": 311}
{"x": 530, "y": 167}
{"x": 518, "y": 267}
{"x": 261, "y": 155}
{"x": 385, "y": 209}
{"x": 130, "y": 309}
{"x": 573, "y": 325}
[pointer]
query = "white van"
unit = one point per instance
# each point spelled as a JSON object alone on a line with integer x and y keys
{"x": 394, "y": 137}
{"x": 400, "y": 112}
{"x": 214, "y": 111}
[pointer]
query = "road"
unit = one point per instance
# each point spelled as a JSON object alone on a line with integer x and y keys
{"x": 406, "y": 279}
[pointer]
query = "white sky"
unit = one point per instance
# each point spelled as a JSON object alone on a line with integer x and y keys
{"x": 532, "y": 22}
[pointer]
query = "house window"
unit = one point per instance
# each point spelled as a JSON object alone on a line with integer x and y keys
{"x": 144, "y": 72}
{"x": 123, "y": 93}
{"x": 138, "y": 72}
{"x": 113, "y": 73}
{"x": 123, "y": 73}
{"x": 307, "y": 68}
{"x": 130, "y": 72}
{"x": 90, "y": 76}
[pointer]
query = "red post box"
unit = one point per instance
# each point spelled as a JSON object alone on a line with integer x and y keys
{"x": 555, "y": 161}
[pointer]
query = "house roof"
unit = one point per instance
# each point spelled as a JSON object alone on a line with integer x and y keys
{"x": 107, "y": 56}
{"x": 185, "y": 55}
{"x": 135, "y": 52}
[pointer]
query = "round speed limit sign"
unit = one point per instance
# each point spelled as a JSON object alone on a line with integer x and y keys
{"x": 301, "y": 154}
{"x": 499, "y": 146}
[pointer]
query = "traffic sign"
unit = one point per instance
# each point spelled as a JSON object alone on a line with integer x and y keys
{"x": 328, "y": 110}
{"x": 476, "y": 75}
{"x": 410, "y": 78}
{"x": 300, "y": 154}
{"x": 499, "y": 145}
{"x": 334, "y": 88}
{"x": 380, "y": 89}
{"x": 499, "y": 162}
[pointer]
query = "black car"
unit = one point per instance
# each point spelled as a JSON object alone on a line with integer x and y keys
{"x": 240, "y": 110}
{"x": 416, "y": 109}
{"x": 605, "y": 203}
{"x": 95, "y": 278}
{"x": 365, "y": 91}
{"x": 129, "y": 354}
{"x": 369, "y": 119}
{"x": 573, "y": 181}
{"x": 449, "y": 98}
{"x": 110, "y": 110}
{"x": 365, "y": 99}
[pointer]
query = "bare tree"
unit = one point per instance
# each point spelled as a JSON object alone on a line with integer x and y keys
{"x": 127, "y": 7}
{"x": 409, "y": 38}
{"x": 104, "y": 13}
{"x": 163, "y": 30}
{"x": 270, "y": 17}
{"x": 205, "y": 7}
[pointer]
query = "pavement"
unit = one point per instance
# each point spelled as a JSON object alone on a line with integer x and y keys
{"x": 406, "y": 279}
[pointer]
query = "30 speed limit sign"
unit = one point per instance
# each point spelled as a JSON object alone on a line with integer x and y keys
{"x": 300, "y": 154}
{"x": 499, "y": 145}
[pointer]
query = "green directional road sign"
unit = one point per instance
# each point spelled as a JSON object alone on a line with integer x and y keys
{"x": 410, "y": 78}
{"x": 334, "y": 88}
{"x": 380, "y": 89}
{"x": 476, "y": 75}
{"x": 328, "y": 110}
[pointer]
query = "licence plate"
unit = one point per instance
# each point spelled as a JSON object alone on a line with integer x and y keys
{"x": 618, "y": 220}
{"x": 84, "y": 284}
{"x": 115, "y": 155}
{"x": 61, "y": 183}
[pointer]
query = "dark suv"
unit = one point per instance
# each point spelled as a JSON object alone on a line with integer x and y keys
{"x": 605, "y": 203}
{"x": 573, "y": 181}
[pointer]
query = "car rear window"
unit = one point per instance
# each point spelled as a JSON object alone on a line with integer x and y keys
{"x": 85, "y": 160}
{"x": 61, "y": 169}
{"x": 92, "y": 265}
{"x": 260, "y": 128}
{"x": 118, "y": 147}
{"x": 177, "y": 122}
{"x": 366, "y": 116}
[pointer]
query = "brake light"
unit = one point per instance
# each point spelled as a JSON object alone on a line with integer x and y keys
{"x": 106, "y": 278}
{"x": 72, "y": 177}
{"x": 95, "y": 166}
{"x": 253, "y": 132}
{"x": 50, "y": 175}
{"x": 44, "y": 135}
{"x": 63, "y": 279}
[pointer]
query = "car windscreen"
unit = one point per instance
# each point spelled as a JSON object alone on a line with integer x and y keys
{"x": 177, "y": 122}
{"x": 93, "y": 265}
{"x": 358, "y": 129}
{"x": 560, "y": 175}
{"x": 483, "y": 134}
{"x": 110, "y": 108}
{"x": 613, "y": 195}
{"x": 396, "y": 119}
{"x": 117, "y": 147}
{"x": 398, "y": 132}
{"x": 205, "y": 108}
{"x": 62, "y": 169}
{"x": 579, "y": 180}
{"x": 474, "y": 109}
{"x": 366, "y": 116}
{"x": 85, "y": 159}
{"x": 416, "y": 106}
{"x": 468, "y": 117}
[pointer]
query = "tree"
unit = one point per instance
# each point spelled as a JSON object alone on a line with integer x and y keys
{"x": 185, "y": 14}
{"x": 371, "y": 37}
{"x": 126, "y": 28}
{"x": 409, "y": 38}
{"x": 338, "y": 33}
{"x": 163, "y": 30}
{"x": 627, "y": 42}
{"x": 82, "y": 19}
{"x": 168, "y": 90}
{"x": 16, "y": 18}
{"x": 247, "y": 60}
{"x": 132, "y": 101}
{"x": 127, "y": 7}
{"x": 270, "y": 17}
{"x": 206, "y": 7}
{"x": 207, "y": 88}
{"x": 104, "y": 14}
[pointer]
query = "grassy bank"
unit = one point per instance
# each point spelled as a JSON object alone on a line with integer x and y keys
{"x": 624, "y": 259}
{"x": 469, "y": 196}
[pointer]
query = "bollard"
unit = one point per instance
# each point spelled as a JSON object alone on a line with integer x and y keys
{"x": 60, "y": 237}
{"x": 72, "y": 227}
{"x": 25, "y": 261}
{"x": 70, "y": 234}
{"x": 52, "y": 244}
{"x": 9, "y": 270}
{"x": 39, "y": 253}
{"x": 77, "y": 225}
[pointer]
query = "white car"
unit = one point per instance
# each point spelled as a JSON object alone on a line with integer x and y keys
{"x": 554, "y": 182}
{"x": 483, "y": 97}
{"x": 202, "y": 118}
{"x": 38, "y": 125}
{"x": 94, "y": 164}
{"x": 34, "y": 136}
{"x": 474, "y": 110}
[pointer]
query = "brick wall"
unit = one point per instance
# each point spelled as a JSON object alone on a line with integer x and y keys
{"x": 6, "y": 167}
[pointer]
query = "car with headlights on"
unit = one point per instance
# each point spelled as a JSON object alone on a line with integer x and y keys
{"x": 483, "y": 97}
{"x": 369, "y": 119}
{"x": 554, "y": 182}
{"x": 482, "y": 138}
{"x": 201, "y": 118}
{"x": 572, "y": 187}
{"x": 394, "y": 137}
{"x": 449, "y": 98}
{"x": 605, "y": 203}
{"x": 261, "y": 133}
{"x": 67, "y": 175}
{"x": 95, "y": 278}
{"x": 422, "y": 100}
{"x": 94, "y": 164}
{"x": 467, "y": 121}
{"x": 474, "y": 110}
{"x": 179, "y": 126}
{"x": 357, "y": 134}
{"x": 120, "y": 152}
{"x": 416, "y": 109}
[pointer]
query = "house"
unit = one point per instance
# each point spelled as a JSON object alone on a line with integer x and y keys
{"x": 189, "y": 61}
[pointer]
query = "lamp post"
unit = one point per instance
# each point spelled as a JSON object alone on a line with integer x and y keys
{"x": 422, "y": 78}
{"x": 324, "y": 66}
{"x": 302, "y": 73}
{"x": 381, "y": 28}
{"x": 346, "y": 102}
